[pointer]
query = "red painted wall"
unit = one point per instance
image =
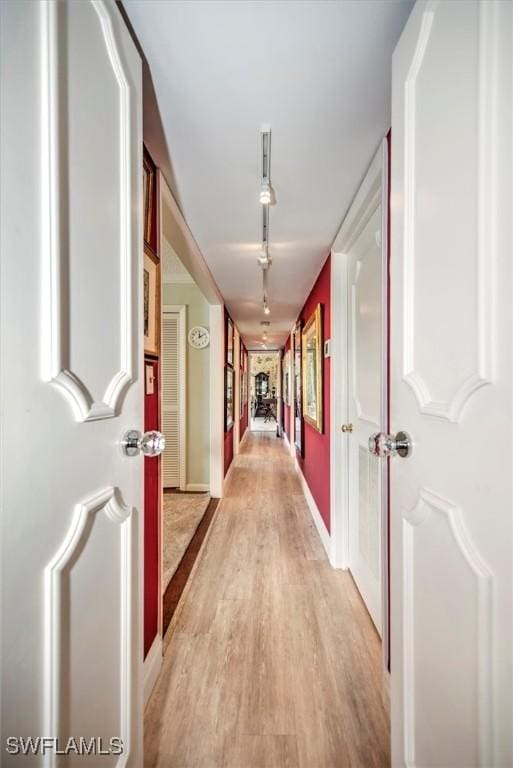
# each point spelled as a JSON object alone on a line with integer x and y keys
{"x": 315, "y": 464}
{"x": 151, "y": 516}
{"x": 286, "y": 408}
{"x": 228, "y": 450}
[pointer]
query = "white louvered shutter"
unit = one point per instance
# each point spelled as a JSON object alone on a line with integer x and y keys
{"x": 171, "y": 399}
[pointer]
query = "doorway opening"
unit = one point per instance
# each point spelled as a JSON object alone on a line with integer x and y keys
{"x": 265, "y": 391}
{"x": 360, "y": 328}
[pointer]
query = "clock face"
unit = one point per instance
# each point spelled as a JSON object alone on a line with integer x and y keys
{"x": 199, "y": 337}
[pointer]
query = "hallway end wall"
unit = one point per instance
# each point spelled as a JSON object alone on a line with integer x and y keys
{"x": 315, "y": 463}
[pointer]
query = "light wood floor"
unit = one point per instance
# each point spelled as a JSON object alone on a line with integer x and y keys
{"x": 272, "y": 660}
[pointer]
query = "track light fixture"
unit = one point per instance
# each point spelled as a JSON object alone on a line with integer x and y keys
{"x": 264, "y": 259}
{"x": 267, "y": 195}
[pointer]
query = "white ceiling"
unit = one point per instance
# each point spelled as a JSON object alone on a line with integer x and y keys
{"x": 319, "y": 73}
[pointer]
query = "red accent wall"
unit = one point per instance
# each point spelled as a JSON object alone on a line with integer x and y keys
{"x": 228, "y": 450}
{"x": 151, "y": 516}
{"x": 315, "y": 464}
{"x": 286, "y": 408}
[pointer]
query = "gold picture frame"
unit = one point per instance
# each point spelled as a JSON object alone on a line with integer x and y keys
{"x": 148, "y": 195}
{"x": 151, "y": 303}
{"x": 313, "y": 368}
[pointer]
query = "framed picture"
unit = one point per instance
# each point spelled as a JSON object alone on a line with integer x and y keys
{"x": 313, "y": 369}
{"x": 151, "y": 283}
{"x": 228, "y": 398}
{"x": 229, "y": 340}
{"x": 148, "y": 197}
{"x": 297, "y": 385}
{"x": 285, "y": 378}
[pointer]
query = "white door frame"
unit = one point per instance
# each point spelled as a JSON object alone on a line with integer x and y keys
{"x": 181, "y": 311}
{"x": 254, "y": 353}
{"x": 186, "y": 248}
{"x": 374, "y": 185}
{"x": 236, "y": 391}
{"x": 217, "y": 353}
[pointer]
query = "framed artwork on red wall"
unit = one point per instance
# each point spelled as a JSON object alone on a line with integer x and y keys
{"x": 313, "y": 365}
{"x": 151, "y": 303}
{"x": 229, "y": 340}
{"x": 150, "y": 202}
{"x": 228, "y": 398}
{"x": 297, "y": 390}
{"x": 285, "y": 388}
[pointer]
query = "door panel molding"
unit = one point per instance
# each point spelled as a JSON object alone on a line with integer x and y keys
{"x": 428, "y": 506}
{"x": 361, "y": 267}
{"x": 56, "y": 340}
{"x": 464, "y": 384}
{"x": 56, "y": 611}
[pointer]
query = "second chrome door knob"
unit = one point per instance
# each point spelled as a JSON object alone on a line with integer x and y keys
{"x": 383, "y": 445}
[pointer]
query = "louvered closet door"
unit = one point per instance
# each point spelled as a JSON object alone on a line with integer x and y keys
{"x": 171, "y": 398}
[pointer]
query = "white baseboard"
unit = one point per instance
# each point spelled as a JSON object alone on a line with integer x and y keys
{"x": 197, "y": 487}
{"x": 151, "y": 667}
{"x": 314, "y": 510}
{"x": 286, "y": 441}
{"x": 244, "y": 436}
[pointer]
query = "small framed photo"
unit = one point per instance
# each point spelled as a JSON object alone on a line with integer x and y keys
{"x": 229, "y": 341}
{"x": 151, "y": 283}
{"x": 228, "y": 398}
{"x": 285, "y": 378}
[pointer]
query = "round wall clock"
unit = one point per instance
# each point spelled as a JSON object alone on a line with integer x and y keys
{"x": 199, "y": 337}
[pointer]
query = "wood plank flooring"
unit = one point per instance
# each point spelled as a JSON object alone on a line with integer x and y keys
{"x": 272, "y": 660}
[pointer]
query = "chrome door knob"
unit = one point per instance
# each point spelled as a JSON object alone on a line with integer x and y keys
{"x": 150, "y": 443}
{"x": 383, "y": 445}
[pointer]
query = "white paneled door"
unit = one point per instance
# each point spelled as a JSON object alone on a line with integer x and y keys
{"x": 363, "y": 237}
{"x": 451, "y": 387}
{"x": 71, "y": 384}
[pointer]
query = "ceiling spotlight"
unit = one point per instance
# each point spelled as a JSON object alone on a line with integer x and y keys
{"x": 264, "y": 259}
{"x": 267, "y": 195}
{"x": 267, "y": 311}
